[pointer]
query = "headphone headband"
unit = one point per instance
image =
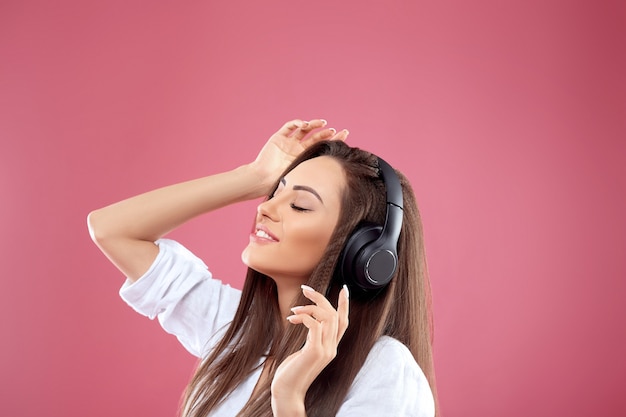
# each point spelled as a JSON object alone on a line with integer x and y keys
{"x": 392, "y": 183}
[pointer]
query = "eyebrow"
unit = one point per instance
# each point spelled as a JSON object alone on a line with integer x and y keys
{"x": 304, "y": 188}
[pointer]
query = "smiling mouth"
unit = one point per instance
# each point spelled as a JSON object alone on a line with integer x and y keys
{"x": 263, "y": 234}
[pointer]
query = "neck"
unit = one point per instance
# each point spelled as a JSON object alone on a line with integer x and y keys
{"x": 287, "y": 293}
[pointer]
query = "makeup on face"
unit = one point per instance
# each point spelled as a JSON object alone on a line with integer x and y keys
{"x": 293, "y": 227}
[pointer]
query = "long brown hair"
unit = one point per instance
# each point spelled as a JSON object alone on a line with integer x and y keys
{"x": 401, "y": 310}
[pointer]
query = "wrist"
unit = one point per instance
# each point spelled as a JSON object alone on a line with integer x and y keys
{"x": 260, "y": 178}
{"x": 288, "y": 406}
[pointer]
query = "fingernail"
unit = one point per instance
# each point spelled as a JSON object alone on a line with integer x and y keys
{"x": 307, "y": 288}
{"x": 345, "y": 287}
{"x": 324, "y": 122}
{"x": 290, "y": 318}
{"x": 347, "y": 132}
{"x": 294, "y": 309}
{"x": 333, "y": 131}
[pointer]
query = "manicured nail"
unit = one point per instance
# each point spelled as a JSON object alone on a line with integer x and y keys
{"x": 290, "y": 318}
{"x": 347, "y": 293}
{"x": 324, "y": 122}
{"x": 307, "y": 288}
{"x": 347, "y": 132}
{"x": 296, "y": 308}
{"x": 333, "y": 131}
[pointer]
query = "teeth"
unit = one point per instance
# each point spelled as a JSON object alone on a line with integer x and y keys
{"x": 261, "y": 233}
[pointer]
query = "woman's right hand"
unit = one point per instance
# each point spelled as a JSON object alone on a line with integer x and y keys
{"x": 286, "y": 144}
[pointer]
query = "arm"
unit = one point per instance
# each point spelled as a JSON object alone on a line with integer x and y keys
{"x": 126, "y": 231}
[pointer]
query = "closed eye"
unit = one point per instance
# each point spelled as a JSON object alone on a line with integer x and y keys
{"x": 297, "y": 208}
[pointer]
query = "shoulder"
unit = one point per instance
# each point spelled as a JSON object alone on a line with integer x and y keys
{"x": 389, "y": 383}
{"x": 388, "y": 349}
{"x": 390, "y": 356}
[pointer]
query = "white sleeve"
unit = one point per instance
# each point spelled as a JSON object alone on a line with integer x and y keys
{"x": 390, "y": 383}
{"x": 179, "y": 290}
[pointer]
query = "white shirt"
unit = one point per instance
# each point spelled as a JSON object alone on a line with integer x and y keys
{"x": 189, "y": 303}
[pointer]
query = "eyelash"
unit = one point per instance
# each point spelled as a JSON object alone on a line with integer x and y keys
{"x": 296, "y": 208}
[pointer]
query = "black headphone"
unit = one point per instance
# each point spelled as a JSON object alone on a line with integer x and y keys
{"x": 370, "y": 257}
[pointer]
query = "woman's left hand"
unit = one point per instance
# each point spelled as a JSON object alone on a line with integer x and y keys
{"x": 296, "y": 374}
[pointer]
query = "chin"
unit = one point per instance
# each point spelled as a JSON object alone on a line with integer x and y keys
{"x": 245, "y": 257}
{"x": 248, "y": 260}
{"x": 265, "y": 266}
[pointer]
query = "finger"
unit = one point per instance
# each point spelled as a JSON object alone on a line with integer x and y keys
{"x": 343, "y": 310}
{"x": 316, "y": 297}
{"x": 318, "y": 313}
{"x": 324, "y": 134}
{"x": 315, "y": 124}
{"x": 308, "y": 127}
{"x": 322, "y": 311}
{"x": 314, "y": 326}
{"x": 291, "y": 126}
{"x": 328, "y": 316}
{"x": 342, "y": 135}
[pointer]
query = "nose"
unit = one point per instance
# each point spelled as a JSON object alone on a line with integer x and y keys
{"x": 268, "y": 210}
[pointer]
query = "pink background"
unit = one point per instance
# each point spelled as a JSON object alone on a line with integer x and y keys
{"x": 508, "y": 118}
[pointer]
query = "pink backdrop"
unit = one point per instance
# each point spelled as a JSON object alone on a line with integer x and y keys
{"x": 509, "y": 120}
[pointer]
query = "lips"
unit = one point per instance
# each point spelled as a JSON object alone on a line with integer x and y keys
{"x": 263, "y": 232}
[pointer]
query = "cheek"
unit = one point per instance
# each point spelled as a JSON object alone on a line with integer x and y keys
{"x": 311, "y": 242}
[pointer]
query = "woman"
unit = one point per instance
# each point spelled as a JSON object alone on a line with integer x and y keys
{"x": 284, "y": 346}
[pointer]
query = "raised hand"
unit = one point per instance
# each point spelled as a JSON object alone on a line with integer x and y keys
{"x": 286, "y": 144}
{"x": 296, "y": 374}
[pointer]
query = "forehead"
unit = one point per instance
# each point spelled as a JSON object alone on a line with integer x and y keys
{"x": 323, "y": 173}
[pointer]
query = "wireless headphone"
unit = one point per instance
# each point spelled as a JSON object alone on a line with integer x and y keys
{"x": 370, "y": 257}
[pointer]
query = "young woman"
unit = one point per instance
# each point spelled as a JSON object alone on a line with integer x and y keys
{"x": 296, "y": 341}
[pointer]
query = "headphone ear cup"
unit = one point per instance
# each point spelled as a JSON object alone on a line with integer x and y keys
{"x": 353, "y": 266}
